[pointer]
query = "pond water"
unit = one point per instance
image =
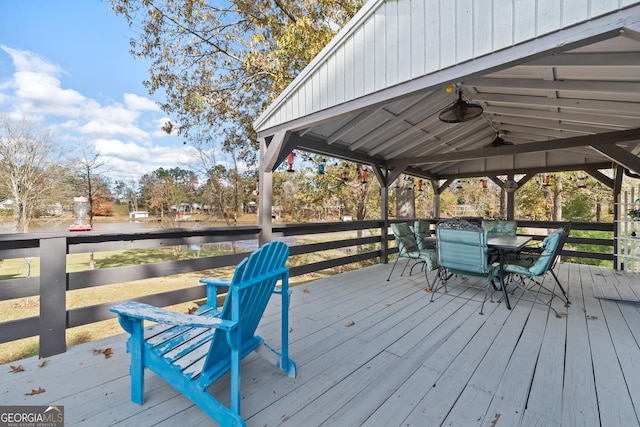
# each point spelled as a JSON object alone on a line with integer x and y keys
{"x": 59, "y": 226}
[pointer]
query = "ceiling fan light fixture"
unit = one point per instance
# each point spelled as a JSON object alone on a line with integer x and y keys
{"x": 498, "y": 141}
{"x": 460, "y": 111}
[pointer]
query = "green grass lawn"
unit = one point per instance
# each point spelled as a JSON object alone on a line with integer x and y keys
{"x": 28, "y": 307}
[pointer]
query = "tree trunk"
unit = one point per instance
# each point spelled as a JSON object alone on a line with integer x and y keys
{"x": 556, "y": 214}
{"x": 405, "y": 199}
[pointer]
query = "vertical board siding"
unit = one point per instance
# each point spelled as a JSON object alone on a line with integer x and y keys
{"x": 349, "y": 73}
{"x": 417, "y": 38}
{"x": 395, "y": 41}
{"x": 359, "y": 51}
{"x": 404, "y": 54}
{"x": 574, "y": 11}
{"x": 447, "y": 30}
{"x": 464, "y": 30}
{"x": 502, "y": 25}
{"x": 380, "y": 36}
{"x": 340, "y": 80}
{"x": 393, "y": 46}
{"x": 549, "y": 16}
{"x": 432, "y": 36}
{"x": 524, "y": 21}
{"x": 482, "y": 27}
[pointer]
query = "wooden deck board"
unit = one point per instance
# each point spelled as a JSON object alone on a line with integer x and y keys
{"x": 579, "y": 399}
{"x": 371, "y": 352}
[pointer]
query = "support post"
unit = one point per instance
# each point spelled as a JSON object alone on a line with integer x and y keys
{"x": 265, "y": 200}
{"x": 53, "y": 293}
{"x": 384, "y": 230}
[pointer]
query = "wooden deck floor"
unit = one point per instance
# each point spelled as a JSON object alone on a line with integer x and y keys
{"x": 376, "y": 353}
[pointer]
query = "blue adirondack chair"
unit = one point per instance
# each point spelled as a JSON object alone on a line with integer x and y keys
{"x": 190, "y": 352}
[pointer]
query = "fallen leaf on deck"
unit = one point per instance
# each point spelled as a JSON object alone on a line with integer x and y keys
{"x": 192, "y": 310}
{"x": 41, "y": 362}
{"x": 40, "y": 390}
{"x": 562, "y": 314}
{"x": 306, "y": 291}
{"x": 429, "y": 290}
{"x": 350, "y": 324}
{"x": 107, "y": 352}
{"x": 15, "y": 369}
{"x": 591, "y": 317}
{"x": 495, "y": 420}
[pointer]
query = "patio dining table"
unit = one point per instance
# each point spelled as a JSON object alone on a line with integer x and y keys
{"x": 504, "y": 245}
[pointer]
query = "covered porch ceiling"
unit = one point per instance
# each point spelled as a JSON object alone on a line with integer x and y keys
{"x": 565, "y": 100}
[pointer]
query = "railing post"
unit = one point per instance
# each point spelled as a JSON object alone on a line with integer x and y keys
{"x": 53, "y": 302}
{"x": 384, "y": 242}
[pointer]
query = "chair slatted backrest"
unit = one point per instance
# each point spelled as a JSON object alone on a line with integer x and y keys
{"x": 462, "y": 247}
{"x": 550, "y": 248}
{"x": 422, "y": 230}
{"x": 500, "y": 227}
{"x": 564, "y": 235}
{"x": 253, "y": 282}
{"x": 405, "y": 239}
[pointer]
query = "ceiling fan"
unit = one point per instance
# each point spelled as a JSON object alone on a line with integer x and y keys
{"x": 460, "y": 111}
{"x": 498, "y": 141}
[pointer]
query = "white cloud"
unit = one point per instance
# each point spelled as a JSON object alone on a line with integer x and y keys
{"x": 128, "y": 159}
{"x": 140, "y": 103}
{"x": 123, "y": 132}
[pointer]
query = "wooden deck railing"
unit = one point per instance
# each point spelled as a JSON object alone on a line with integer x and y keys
{"x": 355, "y": 241}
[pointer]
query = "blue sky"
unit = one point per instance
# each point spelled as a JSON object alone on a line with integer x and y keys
{"x": 66, "y": 63}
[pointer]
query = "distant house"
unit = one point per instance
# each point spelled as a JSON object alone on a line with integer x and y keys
{"x": 138, "y": 214}
{"x": 6, "y": 204}
{"x": 54, "y": 209}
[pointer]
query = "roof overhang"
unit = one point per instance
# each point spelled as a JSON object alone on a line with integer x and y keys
{"x": 567, "y": 100}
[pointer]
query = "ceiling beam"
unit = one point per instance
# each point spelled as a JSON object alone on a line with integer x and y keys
{"x": 527, "y": 171}
{"x": 610, "y": 59}
{"x": 319, "y": 147}
{"x": 620, "y": 156}
{"x": 585, "y": 128}
{"x": 564, "y": 85}
{"x": 607, "y": 138}
{"x": 606, "y": 121}
{"x": 626, "y": 108}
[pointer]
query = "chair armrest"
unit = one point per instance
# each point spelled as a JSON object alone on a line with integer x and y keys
{"x": 136, "y": 310}
{"x": 216, "y": 281}
{"x": 213, "y": 286}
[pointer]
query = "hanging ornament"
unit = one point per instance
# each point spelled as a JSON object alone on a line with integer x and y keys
{"x": 290, "y": 162}
{"x": 547, "y": 180}
{"x": 363, "y": 175}
{"x": 345, "y": 175}
{"x": 484, "y": 183}
{"x": 321, "y": 167}
{"x": 420, "y": 185}
{"x": 582, "y": 182}
{"x": 256, "y": 192}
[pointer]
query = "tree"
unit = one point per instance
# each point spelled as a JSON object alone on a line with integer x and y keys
{"x": 221, "y": 63}
{"x": 90, "y": 169}
{"x": 28, "y": 167}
